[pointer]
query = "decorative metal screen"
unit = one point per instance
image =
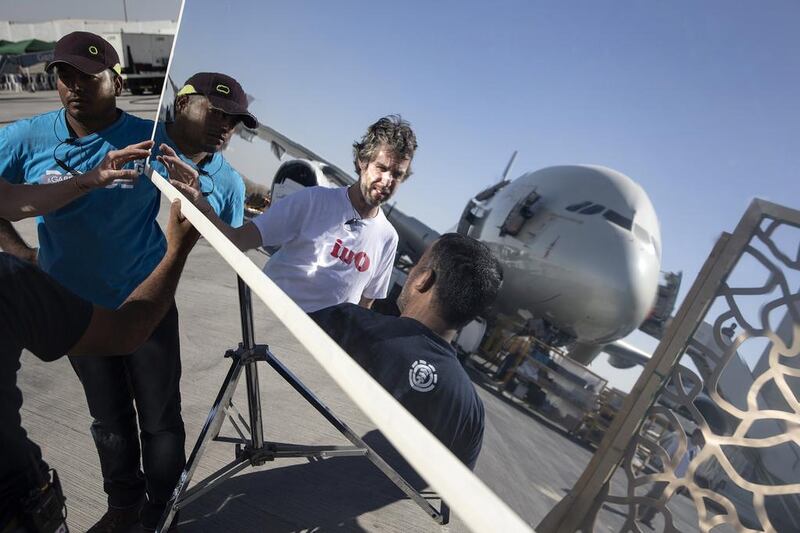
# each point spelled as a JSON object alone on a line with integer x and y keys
{"x": 715, "y": 443}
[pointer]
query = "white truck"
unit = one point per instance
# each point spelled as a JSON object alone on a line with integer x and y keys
{"x": 144, "y": 58}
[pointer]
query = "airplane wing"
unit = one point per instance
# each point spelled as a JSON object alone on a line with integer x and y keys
{"x": 282, "y": 145}
{"x": 624, "y": 355}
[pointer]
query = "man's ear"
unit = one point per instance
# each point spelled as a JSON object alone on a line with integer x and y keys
{"x": 117, "y": 85}
{"x": 180, "y": 102}
{"x": 425, "y": 280}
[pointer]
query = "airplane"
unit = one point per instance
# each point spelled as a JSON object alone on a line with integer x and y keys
{"x": 580, "y": 246}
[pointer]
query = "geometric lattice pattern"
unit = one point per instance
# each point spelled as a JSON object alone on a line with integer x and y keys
{"x": 739, "y": 385}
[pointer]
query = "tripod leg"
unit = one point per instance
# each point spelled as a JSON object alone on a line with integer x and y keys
{"x": 344, "y": 429}
{"x": 209, "y": 432}
{"x": 441, "y": 517}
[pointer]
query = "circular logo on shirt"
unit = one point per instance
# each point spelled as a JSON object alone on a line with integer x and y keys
{"x": 422, "y": 376}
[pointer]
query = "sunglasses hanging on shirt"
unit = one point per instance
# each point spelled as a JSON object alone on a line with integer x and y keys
{"x": 66, "y": 167}
{"x": 63, "y": 164}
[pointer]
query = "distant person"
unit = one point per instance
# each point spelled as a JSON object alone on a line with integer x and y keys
{"x": 101, "y": 247}
{"x": 336, "y": 245}
{"x": 515, "y": 350}
{"x": 729, "y": 331}
{"x": 207, "y": 109}
{"x": 455, "y": 280}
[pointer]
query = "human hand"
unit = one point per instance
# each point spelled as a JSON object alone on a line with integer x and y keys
{"x": 177, "y": 168}
{"x": 31, "y": 255}
{"x": 181, "y": 234}
{"x": 110, "y": 168}
{"x": 194, "y": 196}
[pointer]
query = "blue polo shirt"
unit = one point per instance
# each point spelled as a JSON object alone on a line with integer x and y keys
{"x": 104, "y": 244}
{"x": 219, "y": 178}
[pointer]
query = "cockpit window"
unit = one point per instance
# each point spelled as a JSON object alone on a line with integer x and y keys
{"x": 576, "y": 207}
{"x": 298, "y": 172}
{"x": 592, "y": 209}
{"x": 615, "y": 218}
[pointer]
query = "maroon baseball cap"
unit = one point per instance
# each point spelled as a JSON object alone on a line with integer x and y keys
{"x": 223, "y": 92}
{"x": 87, "y": 52}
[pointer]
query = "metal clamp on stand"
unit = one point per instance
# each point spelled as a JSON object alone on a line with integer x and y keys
{"x": 251, "y": 449}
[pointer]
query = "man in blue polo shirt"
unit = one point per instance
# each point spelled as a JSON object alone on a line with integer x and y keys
{"x": 101, "y": 247}
{"x": 455, "y": 280}
{"x": 207, "y": 109}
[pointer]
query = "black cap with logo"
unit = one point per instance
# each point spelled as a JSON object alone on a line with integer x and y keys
{"x": 87, "y": 52}
{"x": 223, "y": 92}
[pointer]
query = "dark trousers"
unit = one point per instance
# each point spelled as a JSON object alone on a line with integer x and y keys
{"x": 150, "y": 377}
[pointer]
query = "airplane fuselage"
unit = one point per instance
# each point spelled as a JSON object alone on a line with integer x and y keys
{"x": 584, "y": 254}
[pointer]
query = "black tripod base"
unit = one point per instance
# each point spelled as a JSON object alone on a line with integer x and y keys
{"x": 252, "y": 450}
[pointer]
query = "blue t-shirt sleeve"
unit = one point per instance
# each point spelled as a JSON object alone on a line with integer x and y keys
{"x": 230, "y": 199}
{"x": 235, "y": 205}
{"x": 11, "y": 147}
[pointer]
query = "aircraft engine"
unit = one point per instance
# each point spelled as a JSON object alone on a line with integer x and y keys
{"x": 620, "y": 362}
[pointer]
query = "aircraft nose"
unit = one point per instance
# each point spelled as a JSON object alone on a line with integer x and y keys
{"x": 624, "y": 281}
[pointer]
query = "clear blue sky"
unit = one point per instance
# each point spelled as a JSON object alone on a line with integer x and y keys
{"x": 42, "y": 10}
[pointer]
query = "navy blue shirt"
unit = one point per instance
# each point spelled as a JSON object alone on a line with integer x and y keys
{"x": 417, "y": 367}
{"x": 38, "y": 314}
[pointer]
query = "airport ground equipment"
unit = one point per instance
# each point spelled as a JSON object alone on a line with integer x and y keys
{"x": 565, "y": 391}
{"x": 596, "y": 422}
{"x": 750, "y": 279}
{"x": 143, "y": 57}
{"x": 250, "y": 446}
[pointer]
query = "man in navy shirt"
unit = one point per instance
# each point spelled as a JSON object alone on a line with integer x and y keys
{"x": 455, "y": 280}
{"x": 207, "y": 109}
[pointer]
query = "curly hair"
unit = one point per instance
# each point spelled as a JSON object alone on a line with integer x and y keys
{"x": 391, "y": 131}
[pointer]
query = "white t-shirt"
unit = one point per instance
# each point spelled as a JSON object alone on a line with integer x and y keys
{"x": 322, "y": 261}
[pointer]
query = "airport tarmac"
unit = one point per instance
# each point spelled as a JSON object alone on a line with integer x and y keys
{"x": 14, "y": 106}
{"x": 527, "y": 462}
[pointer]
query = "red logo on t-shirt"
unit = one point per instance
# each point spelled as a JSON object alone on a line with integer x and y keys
{"x": 347, "y": 256}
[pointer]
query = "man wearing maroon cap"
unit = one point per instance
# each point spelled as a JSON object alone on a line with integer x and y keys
{"x": 101, "y": 247}
{"x": 207, "y": 109}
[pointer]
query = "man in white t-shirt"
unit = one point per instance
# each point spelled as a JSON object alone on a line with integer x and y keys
{"x": 336, "y": 245}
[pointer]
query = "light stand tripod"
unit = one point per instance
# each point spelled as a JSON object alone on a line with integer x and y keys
{"x": 251, "y": 448}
